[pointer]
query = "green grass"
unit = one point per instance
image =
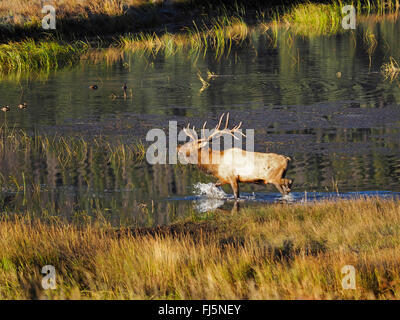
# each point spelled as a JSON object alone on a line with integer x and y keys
{"x": 279, "y": 251}
{"x": 30, "y": 55}
{"x": 315, "y": 19}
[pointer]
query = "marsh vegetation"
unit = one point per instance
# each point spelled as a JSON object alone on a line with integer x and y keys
{"x": 277, "y": 252}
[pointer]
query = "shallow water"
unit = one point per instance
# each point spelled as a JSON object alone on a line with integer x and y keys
{"x": 331, "y": 111}
{"x": 207, "y": 197}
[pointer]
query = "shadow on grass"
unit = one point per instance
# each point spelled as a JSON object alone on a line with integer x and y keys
{"x": 206, "y": 231}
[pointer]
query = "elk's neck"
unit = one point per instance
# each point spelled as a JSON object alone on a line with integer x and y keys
{"x": 208, "y": 160}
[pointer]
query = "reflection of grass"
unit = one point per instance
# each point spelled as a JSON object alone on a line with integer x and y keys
{"x": 371, "y": 43}
{"x": 204, "y": 83}
{"x": 66, "y": 150}
{"x": 44, "y": 55}
{"x": 279, "y": 251}
{"x": 391, "y": 69}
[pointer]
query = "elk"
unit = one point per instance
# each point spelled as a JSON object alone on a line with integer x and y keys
{"x": 234, "y": 165}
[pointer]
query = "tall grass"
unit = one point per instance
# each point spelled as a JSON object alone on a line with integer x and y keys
{"x": 280, "y": 251}
{"x": 309, "y": 19}
{"x": 219, "y": 36}
{"x": 312, "y": 19}
{"x": 30, "y": 55}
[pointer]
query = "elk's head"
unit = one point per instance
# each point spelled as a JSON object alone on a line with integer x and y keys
{"x": 190, "y": 151}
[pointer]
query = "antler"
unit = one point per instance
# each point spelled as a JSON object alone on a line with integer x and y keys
{"x": 187, "y": 130}
{"x": 217, "y": 132}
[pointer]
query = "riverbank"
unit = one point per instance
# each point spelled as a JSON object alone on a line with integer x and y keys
{"x": 101, "y": 22}
{"x": 197, "y": 26}
{"x": 279, "y": 251}
{"x": 107, "y": 19}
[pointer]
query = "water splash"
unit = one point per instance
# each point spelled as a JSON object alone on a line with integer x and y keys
{"x": 289, "y": 198}
{"x": 209, "y": 190}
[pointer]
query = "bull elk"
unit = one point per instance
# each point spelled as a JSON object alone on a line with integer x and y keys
{"x": 234, "y": 165}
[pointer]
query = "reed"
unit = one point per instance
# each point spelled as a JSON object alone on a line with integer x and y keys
{"x": 219, "y": 36}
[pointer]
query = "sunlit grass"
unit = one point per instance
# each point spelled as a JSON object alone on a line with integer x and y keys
{"x": 219, "y": 36}
{"x": 214, "y": 33}
{"x": 30, "y": 55}
{"x": 314, "y": 19}
{"x": 279, "y": 251}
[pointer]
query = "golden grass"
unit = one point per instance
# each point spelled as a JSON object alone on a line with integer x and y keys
{"x": 67, "y": 8}
{"x": 280, "y": 251}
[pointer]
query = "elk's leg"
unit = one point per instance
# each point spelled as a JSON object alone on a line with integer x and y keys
{"x": 280, "y": 189}
{"x": 287, "y": 185}
{"x": 235, "y": 188}
{"x": 235, "y": 207}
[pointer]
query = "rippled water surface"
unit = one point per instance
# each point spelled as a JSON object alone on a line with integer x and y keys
{"x": 322, "y": 101}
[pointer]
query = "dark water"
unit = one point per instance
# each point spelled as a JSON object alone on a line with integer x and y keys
{"x": 322, "y": 101}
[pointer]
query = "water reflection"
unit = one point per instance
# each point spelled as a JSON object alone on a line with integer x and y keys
{"x": 206, "y": 204}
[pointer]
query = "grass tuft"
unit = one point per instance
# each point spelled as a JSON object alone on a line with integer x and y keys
{"x": 29, "y": 55}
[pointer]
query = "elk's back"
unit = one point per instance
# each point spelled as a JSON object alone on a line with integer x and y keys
{"x": 252, "y": 166}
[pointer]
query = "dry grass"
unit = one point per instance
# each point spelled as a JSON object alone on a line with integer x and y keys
{"x": 280, "y": 251}
{"x": 19, "y": 9}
